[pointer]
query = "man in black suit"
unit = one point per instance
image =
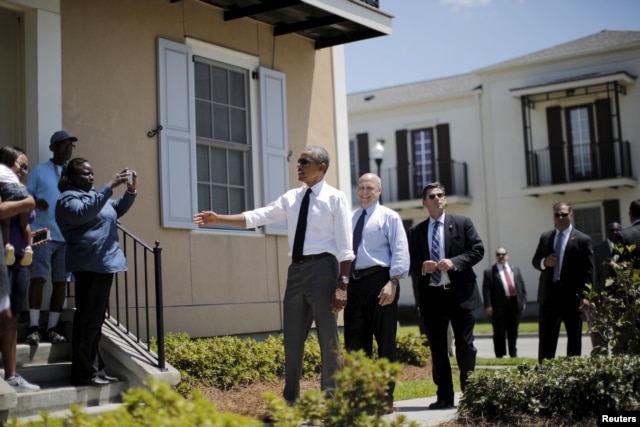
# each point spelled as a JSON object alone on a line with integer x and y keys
{"x": 448, "y": 289}
{"x": 631, "y": 235}
{"x": 505, "y": 298}
{"x": 564, "y": 257}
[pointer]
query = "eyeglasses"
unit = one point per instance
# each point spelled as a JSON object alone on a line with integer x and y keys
{"x": 561, "y": 214}
{"x": 501, "y": 254}
{"x": 304, "y": 161}
{"x": 24, "y": 167}
{"x": 434, "y": 195}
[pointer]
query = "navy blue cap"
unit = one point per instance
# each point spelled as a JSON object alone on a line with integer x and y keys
{"x": 61, "y": 136}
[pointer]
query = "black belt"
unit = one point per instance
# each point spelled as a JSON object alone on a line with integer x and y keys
{"x": 359, "y": 274}
{"x": 313, "y": 257}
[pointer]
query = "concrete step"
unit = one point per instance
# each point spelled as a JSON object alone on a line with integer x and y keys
{"x": 41, "y": 354}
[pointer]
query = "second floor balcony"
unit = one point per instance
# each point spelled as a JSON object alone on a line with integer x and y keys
{"x": 579, "y": 167}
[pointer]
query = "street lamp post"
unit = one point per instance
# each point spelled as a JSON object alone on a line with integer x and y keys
{"x": 378, "y": 152}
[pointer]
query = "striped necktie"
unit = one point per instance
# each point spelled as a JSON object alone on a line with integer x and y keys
{"x": 435, "y": 251}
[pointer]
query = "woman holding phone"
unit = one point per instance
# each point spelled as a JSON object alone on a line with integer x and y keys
{"x": 88, "y": 221}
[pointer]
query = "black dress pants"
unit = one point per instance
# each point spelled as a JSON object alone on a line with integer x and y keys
{"x": 439, "y": 307}
{"x": 561, "y": 305}
{"x": 365, "y": 319}
{"x": 92, "y": 298}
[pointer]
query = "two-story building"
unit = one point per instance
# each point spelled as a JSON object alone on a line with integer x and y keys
{"x": 209, "y": 101}
{"x": 510, "y": 140}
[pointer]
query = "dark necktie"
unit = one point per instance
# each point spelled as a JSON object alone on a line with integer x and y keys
{"x": 507, "y": 277}
{"x": 357, "y": 236}
{"x": 435, "y": 251}
{"x": 301, "y": 228}
{"x": 558, "y": 251}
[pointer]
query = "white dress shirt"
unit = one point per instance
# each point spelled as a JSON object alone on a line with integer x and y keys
{"x": 328, "y": 221}
{"x": 444, "y": 276}
{"x": 384, "y": 241}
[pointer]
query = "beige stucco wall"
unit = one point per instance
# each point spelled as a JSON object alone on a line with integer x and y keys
{"x": 214, "y": 282}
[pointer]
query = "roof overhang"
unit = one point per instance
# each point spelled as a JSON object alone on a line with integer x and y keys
{"x": 586, "y": 84}
{"x": 327, "y": 22}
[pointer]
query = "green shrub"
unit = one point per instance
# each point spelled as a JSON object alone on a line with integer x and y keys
{"x": 226, "y": 362}
{"x": 360, "y": 400}
{"x": 568, "y": 388}
{"x": 412, "y": 350}
{"x": 156, "y": 406}
{"x": 617, "y": 309}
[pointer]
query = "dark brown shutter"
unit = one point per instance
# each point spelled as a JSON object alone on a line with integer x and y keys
{"x": 403, "y": 166}
{"x": 556, "y": 145}
{"x": 605, "y": 138}
{"x": 611, "y": 210}
{"x": 445, "y": 166}
{"x": 363, "y": 154}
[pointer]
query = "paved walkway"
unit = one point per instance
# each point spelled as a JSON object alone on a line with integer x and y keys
{"x": 418, "y": 409}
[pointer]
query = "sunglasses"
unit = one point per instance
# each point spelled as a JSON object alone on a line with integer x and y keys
{"x": 434, "y": 195}
{"x": 304, "y": 161}
{"x": 501, "y": 253}
{"x": 561, "y": 214}
{"x": 22, "y": 166}
{"x": 65, "y": 144}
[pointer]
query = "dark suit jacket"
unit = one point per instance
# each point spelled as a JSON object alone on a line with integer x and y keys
{"x": 602, "y": 269}
{"x": 577, "y": 264}
{"x": 462, "y": 246}
{"x": 493, "y": 290}
{"x": 628, "y": 236}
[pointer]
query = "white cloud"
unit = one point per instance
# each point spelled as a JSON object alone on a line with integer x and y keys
{"x": 457, "y": 4}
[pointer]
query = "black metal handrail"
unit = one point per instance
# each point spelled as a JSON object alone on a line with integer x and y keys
{"x": 130, "y": 309}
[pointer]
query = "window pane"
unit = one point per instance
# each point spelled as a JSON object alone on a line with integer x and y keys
{"x": 202, "y": 161}
{"x": 218, "y": 165}
{"x": 204, "y": 198}
{"x": 202, "y": 81}
{"x": 219, "y": 202}
{"x": 220, "y": 85}
{"x": 203, "y": 120}
{"x": 236, "y": 200}
{"x": 220, "y": 123}
{"x": 589, "y": 221}
{"x": 236, "y": 89}
{"x": 423, "y": 158}
{"x": 236, "y": 168}
{"x": 581, "y": 141}
{"x": 238, "y": 126}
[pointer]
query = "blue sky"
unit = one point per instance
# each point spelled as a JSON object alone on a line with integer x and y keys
{"x": 441, "y": 38}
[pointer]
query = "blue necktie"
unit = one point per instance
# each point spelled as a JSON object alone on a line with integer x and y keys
{"x": 301, "y": 228}
{"x": 558, "y": 251}
{"x": 435, "y": 251}
{"x": 357, "y": 236}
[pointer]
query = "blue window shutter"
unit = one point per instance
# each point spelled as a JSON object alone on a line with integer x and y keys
{"x": 178, "y": 191}
{"x": 274, "y": 141}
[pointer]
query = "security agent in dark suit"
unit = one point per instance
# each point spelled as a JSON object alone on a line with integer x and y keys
{"x": 561, "y": 289}
{"x": 505, "y": 298}
{"x": 448, "y": 287}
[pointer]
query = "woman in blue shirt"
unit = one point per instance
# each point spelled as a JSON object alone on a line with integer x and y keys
{"x": 88, "y": 221}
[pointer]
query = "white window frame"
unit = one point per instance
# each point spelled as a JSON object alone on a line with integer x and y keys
{"x": 176, "y": 104}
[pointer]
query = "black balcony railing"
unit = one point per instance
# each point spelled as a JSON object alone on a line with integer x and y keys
{"x": 406, "y": 182}
{"x": 579, "y": 162}
{"x": 136, "y": 306}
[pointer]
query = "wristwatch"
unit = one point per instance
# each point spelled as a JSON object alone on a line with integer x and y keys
{"x": 394, "y": 281}
{"x": 344, "y": 279}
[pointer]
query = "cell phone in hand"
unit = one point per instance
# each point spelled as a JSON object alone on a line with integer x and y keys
{"x": 40, "y": 235}
{"x": 129, "y": 177}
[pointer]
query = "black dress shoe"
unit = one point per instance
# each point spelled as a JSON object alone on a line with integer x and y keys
{"x": 103, "y": 376}
{"x": 441, "y": 404}
{"x": 96, "y": 381}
